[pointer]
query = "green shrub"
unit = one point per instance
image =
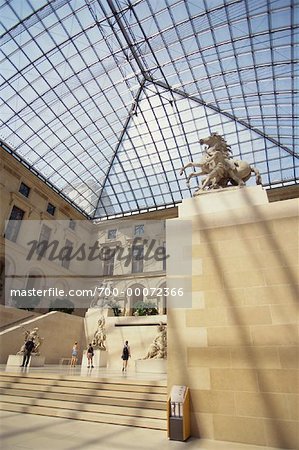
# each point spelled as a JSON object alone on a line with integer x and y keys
{"x": 145, "y": 309}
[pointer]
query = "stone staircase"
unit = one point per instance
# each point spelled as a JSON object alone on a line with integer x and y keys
{"x": 122, "y": 402}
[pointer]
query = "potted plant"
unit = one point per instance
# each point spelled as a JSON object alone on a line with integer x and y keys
{"x": 145, "y": 309}
{"x": 114, "y": 305}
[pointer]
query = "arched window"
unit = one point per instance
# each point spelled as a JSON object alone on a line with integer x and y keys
{"x": 61, "y": 302}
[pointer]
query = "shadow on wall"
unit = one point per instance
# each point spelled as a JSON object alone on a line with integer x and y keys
{"x": 247, "y": 341}
{"x": 59, "y": 331}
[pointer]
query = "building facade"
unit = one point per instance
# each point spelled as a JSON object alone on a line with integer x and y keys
{"x": 130, "y": 253}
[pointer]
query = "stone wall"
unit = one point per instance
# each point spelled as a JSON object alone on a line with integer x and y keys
{"x": 59, "y": 331}
{"x": 237, "y": 348}
{"x": 12, "y": 316}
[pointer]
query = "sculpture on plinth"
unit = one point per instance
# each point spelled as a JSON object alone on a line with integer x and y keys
{"x": 37, "y": 340}
{"x": 99, "y": 336}
{"x": 158, "y": 348}
{"x": 220, "y": 168}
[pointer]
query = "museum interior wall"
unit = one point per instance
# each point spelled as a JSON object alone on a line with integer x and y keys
{"x": 58, "y": 330}
{"x": 13, "y": 316}
{"x": 236, "y": 348}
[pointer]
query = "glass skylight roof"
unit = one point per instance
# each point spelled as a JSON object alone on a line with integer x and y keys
{"x": 106, "y": 100}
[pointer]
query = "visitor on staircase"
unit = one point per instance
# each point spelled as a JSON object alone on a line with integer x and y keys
{"x": 126, "y": 354}
{"x": 89, "y": 356}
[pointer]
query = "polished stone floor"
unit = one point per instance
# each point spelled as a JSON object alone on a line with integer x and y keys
{"x": 32, "y": 432}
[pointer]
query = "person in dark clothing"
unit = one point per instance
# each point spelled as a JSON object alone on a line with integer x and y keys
{"x": 29, "y": 346}
{"x": 90, "y": 356}
{"x": 126, "y": 354}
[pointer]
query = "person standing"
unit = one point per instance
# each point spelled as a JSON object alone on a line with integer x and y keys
{"x": 29, "y": 346}
{"x": 74, "y": 358}
{"x": 126, "y": 354}
{"x": 89, "y": 356}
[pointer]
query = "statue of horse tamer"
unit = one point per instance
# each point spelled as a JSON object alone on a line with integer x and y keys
{"x": 220, "y": 168}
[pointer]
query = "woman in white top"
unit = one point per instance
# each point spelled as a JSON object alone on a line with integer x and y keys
{"x": 74, "y": 358}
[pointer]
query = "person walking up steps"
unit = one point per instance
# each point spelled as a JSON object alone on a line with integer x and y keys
{"x": 89, "y": 356}
{"x": 126, "y": 354}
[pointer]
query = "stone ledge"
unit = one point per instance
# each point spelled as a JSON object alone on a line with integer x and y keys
{"x": 34, "y": 361}
{"x": 151, "y": 365}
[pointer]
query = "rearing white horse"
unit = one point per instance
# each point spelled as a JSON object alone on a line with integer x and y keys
{"x": 218, "y": 165}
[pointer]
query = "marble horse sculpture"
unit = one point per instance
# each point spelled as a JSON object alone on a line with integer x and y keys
{"x": 220, "y": 168}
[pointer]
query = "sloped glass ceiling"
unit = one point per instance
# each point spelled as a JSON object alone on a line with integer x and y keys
{"x": 105, "y": 100}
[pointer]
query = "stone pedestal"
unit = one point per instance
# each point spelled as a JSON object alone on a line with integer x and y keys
{"x": 34, "y": 361}
{"x": 223, "y": 201}
{"x": 100, "y": 358}
{"x": 242, "y": 318}
{"x": 151, "y": 365}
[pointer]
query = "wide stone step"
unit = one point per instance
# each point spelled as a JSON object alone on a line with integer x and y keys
{"x": 121, "y": 401}
{"x": 83, "y": 398}
{"x": 143, "y": 422}
{"x": 145, "y": 396}
{"x": 119, "y": 383}
{"x": 86, "y": 406}
{"x": 117, "y": 386}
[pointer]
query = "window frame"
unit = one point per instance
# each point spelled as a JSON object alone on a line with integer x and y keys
{"x": 139, "y": 230}
{"x": 137, "y": 263}
{"x": 50, "y": 208}
{"x": 65, "y": 262}
{"x": 13, "y": 227}
{"x": 108, "y": 264}
{"x": 22, "y": 184}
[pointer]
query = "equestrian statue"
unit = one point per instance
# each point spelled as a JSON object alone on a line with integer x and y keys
{"x": 220, "y": 168}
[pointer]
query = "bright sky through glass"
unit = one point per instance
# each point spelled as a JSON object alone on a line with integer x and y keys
{"x": 107, "y": 99}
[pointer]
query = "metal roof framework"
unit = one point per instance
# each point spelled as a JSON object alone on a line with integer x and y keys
{"x": 106, "y": 100}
